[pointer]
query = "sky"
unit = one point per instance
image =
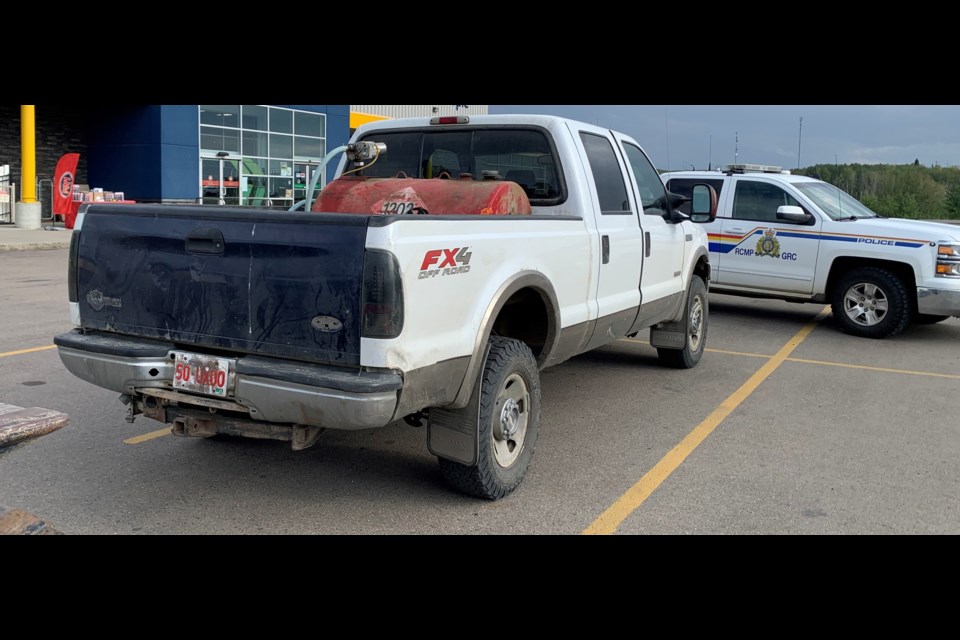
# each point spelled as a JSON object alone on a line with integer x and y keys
{"x": 680, "y": 136}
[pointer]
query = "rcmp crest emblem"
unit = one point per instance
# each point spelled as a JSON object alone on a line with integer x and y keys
{"x": 768, "y": 245}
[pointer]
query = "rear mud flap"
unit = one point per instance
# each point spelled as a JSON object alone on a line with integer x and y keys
{"x": 669, "y": 335}
{"x": 455, "y": 435}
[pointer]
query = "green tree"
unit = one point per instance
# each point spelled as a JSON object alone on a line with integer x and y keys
{"x": 952, "y": 204}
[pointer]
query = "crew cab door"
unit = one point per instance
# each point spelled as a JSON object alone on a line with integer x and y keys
{"x": 665, "y": 241}
{"x": 762, "y": 251}
{"x": 621, "y": 241}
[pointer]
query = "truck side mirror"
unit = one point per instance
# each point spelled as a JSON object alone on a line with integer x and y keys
{"x": 793, "y": 213}
{"x": 703, "y": 207}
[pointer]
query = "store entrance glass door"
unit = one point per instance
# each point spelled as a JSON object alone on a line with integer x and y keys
{"x": 302, "y": 176}
{"x": 220, "y": 181}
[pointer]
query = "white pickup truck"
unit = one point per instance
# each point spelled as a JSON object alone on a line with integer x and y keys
{"x": 450, "y": 261}
{"x": 797, "y": 238}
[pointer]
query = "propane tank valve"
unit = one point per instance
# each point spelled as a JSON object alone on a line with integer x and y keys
{"x": 362, "y": 152}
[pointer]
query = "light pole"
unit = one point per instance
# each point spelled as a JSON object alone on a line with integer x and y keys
{"x": 799, "y": 140}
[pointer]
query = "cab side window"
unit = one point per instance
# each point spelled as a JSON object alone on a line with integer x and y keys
{"x": 754, "y": 200}
{"x": 653, "y": 195}
{"x": 607, "y": 175}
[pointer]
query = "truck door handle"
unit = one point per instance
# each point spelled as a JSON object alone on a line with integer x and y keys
{"x": 646, "y": 242}
{"x": 205, "y": 240}
{"x": 736, "y": 229}
{"x": 605, "y": 244}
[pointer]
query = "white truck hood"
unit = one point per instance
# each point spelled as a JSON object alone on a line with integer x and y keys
{"x": 905, "y": 228}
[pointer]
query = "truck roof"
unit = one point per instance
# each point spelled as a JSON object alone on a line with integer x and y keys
{"x": 718, "y": 175}
{"x": 504, "y": 119}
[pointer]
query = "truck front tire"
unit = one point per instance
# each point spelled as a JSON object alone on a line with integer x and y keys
{"x": 696, "y": 321}
{"x": 871, "y": 302}
{"x": 509, "y": 421}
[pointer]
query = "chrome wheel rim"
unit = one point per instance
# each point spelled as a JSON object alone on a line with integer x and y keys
{"x": 510, "y": 417}
{"x": 865, "y": 304}
{"x": 695, "y": 324}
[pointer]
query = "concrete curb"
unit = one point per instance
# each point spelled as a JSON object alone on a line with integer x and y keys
{"x": 47, "y": 237}
{"x": 29, "y": 246}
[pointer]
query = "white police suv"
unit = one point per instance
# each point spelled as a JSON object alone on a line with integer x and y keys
{"x": 801, "y": 239}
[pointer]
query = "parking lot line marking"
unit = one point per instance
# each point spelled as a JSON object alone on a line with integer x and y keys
{"x": 31, "y": 350}
{"x": 159, "y": 433}
{"x": 952, "y": 376}
{"x": 828, "y": 363}
{"x": 610, "y": 520}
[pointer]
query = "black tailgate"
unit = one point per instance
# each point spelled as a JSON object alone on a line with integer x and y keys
{"x": 243, "y": 280}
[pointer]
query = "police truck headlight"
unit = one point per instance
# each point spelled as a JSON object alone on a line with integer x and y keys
{"x": 948, "y": 260}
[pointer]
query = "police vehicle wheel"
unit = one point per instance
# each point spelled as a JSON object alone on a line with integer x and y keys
{"x": 697, "y": 310}
{"x": 509, "y": 423}
{"x": 871, "y": 302}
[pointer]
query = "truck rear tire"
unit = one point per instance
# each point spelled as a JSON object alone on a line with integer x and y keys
{"x": 509, "y": 423}
{"x": 871, "y": 302}
{"x": 697, "y": 311}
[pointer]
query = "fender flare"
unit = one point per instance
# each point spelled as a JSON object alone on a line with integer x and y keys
{"x": 521, "y": 280}
{"x": 701, "y": 252}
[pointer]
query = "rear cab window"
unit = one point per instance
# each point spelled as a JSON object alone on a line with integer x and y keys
{"x": 526, "y": 156}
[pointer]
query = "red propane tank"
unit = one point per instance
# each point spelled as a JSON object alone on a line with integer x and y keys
{"x": 351, "y": 194}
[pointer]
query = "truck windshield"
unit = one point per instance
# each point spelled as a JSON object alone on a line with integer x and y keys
{"x": 524, "y": 156}
{"x": 833, "y": 201}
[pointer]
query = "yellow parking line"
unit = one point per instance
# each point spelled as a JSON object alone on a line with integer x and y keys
{"x": 827, "y": 363}
{"x": 610, "y": 520}
{"x": 19, "y": 351}
{"x": 868, "y": 368}
{"x": 159, "y": 433}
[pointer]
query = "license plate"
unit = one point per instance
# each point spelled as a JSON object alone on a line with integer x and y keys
{"x": 204, "y": 374}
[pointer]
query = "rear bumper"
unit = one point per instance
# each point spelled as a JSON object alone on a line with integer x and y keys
{"x": 938, "y": 302}
{"x": 272, "y": 390}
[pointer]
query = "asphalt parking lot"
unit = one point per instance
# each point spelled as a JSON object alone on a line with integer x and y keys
{"x": 786, "y": 426}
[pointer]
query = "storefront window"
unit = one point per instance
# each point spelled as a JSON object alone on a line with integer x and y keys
{"x": 309, "y": 124}
{"x": 254, "y": 117}
{"x": 254, "y": 143}
{"x": 309, "y": 148}
{"x": 221, "y": 115}
{"x": 281, "y": 146}
{"x": 282, "y": 188}
{"x": 219, "y": 139}
{"x": 255, "y": 191}
{"x": 281, "y": 168}
{"x": 255, "y": 166}
{"x": 265, "y": 142}
{"x": 281, "y": 120}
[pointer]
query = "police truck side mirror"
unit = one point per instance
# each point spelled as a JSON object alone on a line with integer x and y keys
{"x": 793, "y": 213}
{"x": 703, "y": 206}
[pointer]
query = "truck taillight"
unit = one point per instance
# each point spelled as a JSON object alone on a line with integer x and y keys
{"x": 72, "y": 267}
{"x": 382, "y": 297}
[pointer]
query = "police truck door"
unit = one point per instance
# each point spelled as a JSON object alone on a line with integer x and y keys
{"x": 766, "y": 253}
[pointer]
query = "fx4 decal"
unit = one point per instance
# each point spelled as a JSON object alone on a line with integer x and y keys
{"x": 448, "y": 262}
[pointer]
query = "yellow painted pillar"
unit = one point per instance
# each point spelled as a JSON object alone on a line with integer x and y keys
{"x": 28, "y": 154}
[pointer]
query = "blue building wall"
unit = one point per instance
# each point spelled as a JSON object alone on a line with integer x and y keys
{"x": 179, "y": 151}
{"x": 123, "y": 145}
{"x": 151, "y": 152}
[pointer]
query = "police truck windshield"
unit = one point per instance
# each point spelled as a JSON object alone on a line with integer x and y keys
{"x": 833, "y": 201}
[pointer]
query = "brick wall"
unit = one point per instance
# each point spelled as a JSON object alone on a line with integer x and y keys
{"x": 60, "y": 129}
